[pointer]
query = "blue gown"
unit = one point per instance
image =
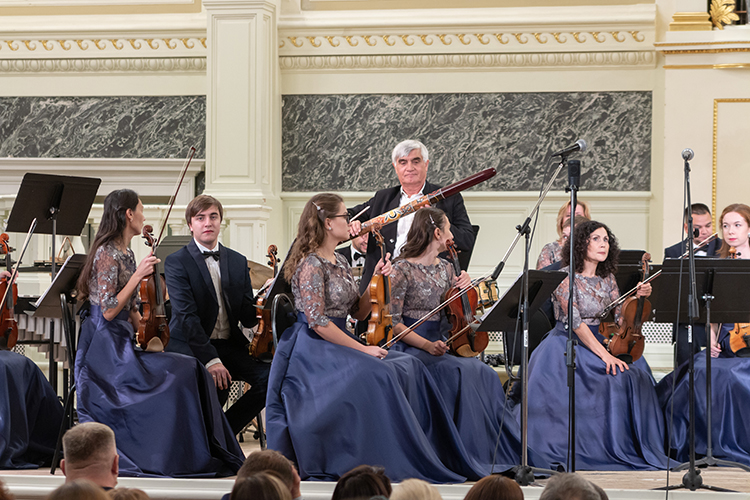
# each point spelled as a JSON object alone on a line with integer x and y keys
{"x": 730, "y": 393}
{"x": 331, "y": 408}
{"x": 162, "y": 407}
{"x": 619, "y": 422}
{"x": 30, "y": 414}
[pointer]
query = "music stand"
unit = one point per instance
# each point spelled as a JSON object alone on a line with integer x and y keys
{"x": 504, "y": 316}
{"x": 718, "y": 279}
{"x": 58, "y": 302}
{"x": 61, "y": 205}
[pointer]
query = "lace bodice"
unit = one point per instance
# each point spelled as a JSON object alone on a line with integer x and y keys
{"x": 324, "y": 290}
{"x": 111, "y": 272}
{"x": 592, "y": 295}
{"x": 417, "y": 289}
{"x": 551, "y": 252}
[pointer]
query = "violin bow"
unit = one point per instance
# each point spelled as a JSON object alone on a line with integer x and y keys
{"x": 185, "y": 167}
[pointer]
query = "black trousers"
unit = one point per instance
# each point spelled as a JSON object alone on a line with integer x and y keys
{"x": 243, "y": 367}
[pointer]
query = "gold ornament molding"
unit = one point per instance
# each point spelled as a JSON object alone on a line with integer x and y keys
{"x": 409, "y": 39}
{"x": 715, "y": 143}
{"x": 94, "y": 44}
{"x": 104, "y": 65}
{"x": 708, "y": 66}
{"x": 705, "y": 51}
{"x": 468, "y": 61}
{"x": 688, "y": 44}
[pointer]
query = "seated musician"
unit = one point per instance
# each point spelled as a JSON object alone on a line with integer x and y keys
{"x": 334, "y": 403}
{"x": 28, "y": 425}
{"x": 703, "y": 224}
{"x": 620, "y": 422}
{"x": 161, "y": 406}
{"x": 472, "y": 390}
{"x": 211, "y": 295}
{"x": 551, "y": 252}
{"x": 410, "y": 161}
{"x": 730, "y": 375}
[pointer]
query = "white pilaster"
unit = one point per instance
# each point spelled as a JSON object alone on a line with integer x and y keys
{"x": 243, "y": 150}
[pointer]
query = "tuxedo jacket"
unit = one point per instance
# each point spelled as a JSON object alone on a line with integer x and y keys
{"x": 194, "y": 303}
{"x": 676, "y": 250}
{"x": 346, "y": 252}
{"x": 388, "y": 199}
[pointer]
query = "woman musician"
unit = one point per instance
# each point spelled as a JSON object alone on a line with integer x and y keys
{"x": 162, "y": 407}
{"x": 333, "y": 403}
{"x": 472, "y": 390}
{"x": 619, "y": 420}
{"x": 730, "y": 375}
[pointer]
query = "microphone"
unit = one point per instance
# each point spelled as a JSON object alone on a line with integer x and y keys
{"x": 687, "y": 154}
{"x": 580, "y": 145}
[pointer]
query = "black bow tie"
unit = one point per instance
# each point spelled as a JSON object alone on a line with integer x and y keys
{"x": 215, "y": 254}
{"x": 357, "y": 255}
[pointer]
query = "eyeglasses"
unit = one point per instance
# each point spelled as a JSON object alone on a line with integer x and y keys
{"x": 346, "y": 216}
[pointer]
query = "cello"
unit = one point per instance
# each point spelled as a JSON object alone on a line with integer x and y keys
{"x": 628, "y": 342}
{"x": 380, "y": 325}
{"x": 262, "y": 345}
{"x": 153, "y": 329}
{"x": 464, "y": 341}
{"x": 9, "y": 292}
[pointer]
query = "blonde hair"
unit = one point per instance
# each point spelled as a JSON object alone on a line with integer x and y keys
{"x": 563, "y": 212}
{"x": 80, "y": 489}
{"x": 128, "y": 494}
{"x": 415, "y": 489}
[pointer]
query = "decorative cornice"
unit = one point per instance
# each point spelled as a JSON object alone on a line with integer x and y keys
{"x": 73, "y": 47}
{"x": 104, "y": 65}
{"x": 468, "y": 61}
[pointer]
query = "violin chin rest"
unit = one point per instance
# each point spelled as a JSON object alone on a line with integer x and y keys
{"x": 743, "y": 353}
{"x": 155, "y": 345}
{"x": 625, "y": 357}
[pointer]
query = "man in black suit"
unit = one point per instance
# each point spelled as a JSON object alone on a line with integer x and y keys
{"x": 211, "y": 295}
{"x": 703, "y": 227}
{"x": 411, "y": 161}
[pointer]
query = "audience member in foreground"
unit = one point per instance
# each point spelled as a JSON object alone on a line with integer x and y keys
{"x": 495, "y": 487}
{"x": 260, "y": 486}
{"x": 415, "y": 489}
{"x": 270, "y": 461}
{"x": 569, "y": 486}
{"x": 89, "y": 452}
{"x": 128, "y": 494}
{"x": 80, "y": 489}
{"x": 4, "y": 493}
{"x": 364, "y": 481}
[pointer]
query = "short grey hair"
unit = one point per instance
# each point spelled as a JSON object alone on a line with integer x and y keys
{"x": 88, "y": 443}
{"x": 403, "y": 149}
{"x": 569, "y": 486}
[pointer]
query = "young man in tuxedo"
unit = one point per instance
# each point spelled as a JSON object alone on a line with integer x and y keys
{"x": 703, "y": 227}
{"x": 212, "y": 297}
{"x": 411, "y": 161}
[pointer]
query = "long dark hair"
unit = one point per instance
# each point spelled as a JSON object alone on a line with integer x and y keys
{"x": 422, "y": 231}
{"x": 114, "y": 220}
{"x": 580, "y": 249}
{"x": 311, "y": 231}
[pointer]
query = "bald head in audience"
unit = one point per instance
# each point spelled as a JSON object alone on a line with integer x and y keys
{"x": 569, "y": 486}
{"x": 89, "y": 452}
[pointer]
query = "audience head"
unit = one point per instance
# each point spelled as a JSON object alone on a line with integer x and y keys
{"x": 495, "y": 487}
{"x": 587, "y": 235}
{"x": 89, "y": 452}
{"x": 128, "y": 494}
{"x": 735, "y": 228}
{"x": 702, "y": 221}
{"x": 80, "y": 489}
{"x": 260, "y": 486}
{"x": 582, "y": 208}
{"x": 411, "y": 160}
{"x": 271, "y": 461}
{"x": 4, "y": 493}
{"x": 567, "y": 486}
{"x": 364, "y": 481}
{"x": 415, "y": 489}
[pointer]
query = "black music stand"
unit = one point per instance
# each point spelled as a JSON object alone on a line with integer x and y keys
{"x": 504, "y": 316}
{"x": 58, "y": 301}
{"x": 61, "y": 205}
{"x": 720, "y": 280}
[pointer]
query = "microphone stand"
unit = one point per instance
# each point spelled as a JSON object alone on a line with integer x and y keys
{"x": 574, "y": 178}
{"x": 525, "y": 473}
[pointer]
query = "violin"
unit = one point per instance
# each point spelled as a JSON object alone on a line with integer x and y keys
{"x": 464, "y": 341}
{"x": 628, "y": 342}
{"x": 153, "y": 324}
{"x": 262, "y": 345}
{"x": 739, "y": 336}
{"x": 380, "y": 324}
{"x": 9, "y": 292}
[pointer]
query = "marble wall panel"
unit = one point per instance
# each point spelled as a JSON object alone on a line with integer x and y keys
{"x": 102, "y": 127}
{"x": 344, "y": 142}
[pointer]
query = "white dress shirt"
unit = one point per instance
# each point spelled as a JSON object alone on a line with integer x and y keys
{"x": 221, "y": 328}
{"x": 404, "y": 223}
